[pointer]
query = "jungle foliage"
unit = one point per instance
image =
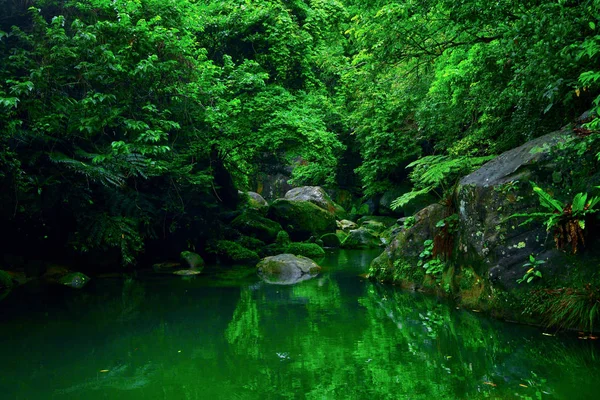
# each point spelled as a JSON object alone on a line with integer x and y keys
{"x": 127, "y": 120}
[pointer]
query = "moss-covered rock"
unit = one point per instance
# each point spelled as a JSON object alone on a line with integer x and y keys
{"x": 229, "y": 252}
{"x": 311, "y": 250}
{"x": 346, "y": 225}
{"x": 253, "y": 201}
{"x": 302, "y": 219}
{"x": 287, "y": 269}
{"x": 272, "y": 250}
{"x": 283, "y": 238}
{"x": 317, "y": 196}
{"x": 361, "y": 239}
{"x": 399, "y": 262}
{"x": 252, "y": 224}
{"x": 331, "y": 240}
{"x": 193, "y": 260}
{"x": 251, "y": 243}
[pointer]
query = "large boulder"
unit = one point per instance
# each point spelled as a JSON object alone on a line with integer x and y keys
{"x": 361, "y": 238}
{"x": 302, "y": 219}
{"x": 193, "y": 260}
{"x": 255, "y": 225}
{"x": 488, "y": 240}
{"x": 317, "y": 196}
{"x": 405, "y": 248}
{"x": 287, "y": 269}
{"x": 331, "y": 240}
{"x": 491, "y": 250}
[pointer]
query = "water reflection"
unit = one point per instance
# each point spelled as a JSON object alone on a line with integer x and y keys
{"x": 336, "y": 336}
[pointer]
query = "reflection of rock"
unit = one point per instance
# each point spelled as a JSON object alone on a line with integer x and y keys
{"x": 118, "y": 377}
{"x": 76, "y": 280}
{"x": 287, "y": 269}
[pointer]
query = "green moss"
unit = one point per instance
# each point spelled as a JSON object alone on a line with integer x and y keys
{"x": 251, "y": 243}
{"x": 331, "y": 240}
{"x": 231, "y": 252}
{"x": 283, "y": 238}
{"x": 311, "y": 250}
{"x": 193, "y": 260}
{"x": 302, "y": 219}
{"x": 271, "y": 250}
{"x": 254, "y": 225}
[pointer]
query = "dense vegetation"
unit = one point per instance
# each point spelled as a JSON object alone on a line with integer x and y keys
{"x": 124, "y": 122}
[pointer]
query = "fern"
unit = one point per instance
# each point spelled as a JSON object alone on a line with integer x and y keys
{"x": 103, "y": 231}
{"x": 95, "y": 173}
{"x": 432, "y": 172}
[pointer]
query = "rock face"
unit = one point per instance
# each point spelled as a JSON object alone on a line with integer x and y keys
{"x": 491, "y": 249}
{"x": 287, "y": 269}
{"x": 317, "y": 196}
{"x": 255, "y": 225}
{"x": 487, "y": 240}
{"x": 408, "y": 244}
{"x": 302, "y": 219}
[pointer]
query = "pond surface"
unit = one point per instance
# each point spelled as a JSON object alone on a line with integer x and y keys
{"x": 227, "y": 335}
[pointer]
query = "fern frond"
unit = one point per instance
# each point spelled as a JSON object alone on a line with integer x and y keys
{"x": 408, "y": 197}
{"x": 547, "y": 200}
{"x": 95, "y": 173}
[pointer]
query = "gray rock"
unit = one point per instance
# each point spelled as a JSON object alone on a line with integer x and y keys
{"x": 287, "y": 269}
{"x": 497, "y": 246}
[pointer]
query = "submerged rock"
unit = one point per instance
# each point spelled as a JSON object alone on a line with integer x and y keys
{"x": 76, "y": 280}
{"x": 287, "y": 269}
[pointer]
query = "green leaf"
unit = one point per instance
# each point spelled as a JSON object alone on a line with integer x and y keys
{"x": 592, "y": 25}
{"x": 529, "y": 279}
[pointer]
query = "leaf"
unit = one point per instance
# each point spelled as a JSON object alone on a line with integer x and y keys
{"x": 408, "y": 197}
{"x": 546, "y": 200}
{"x": 529, "y": 279}
{"x": 579, "y": 201}
{"x": 592, "y": 25}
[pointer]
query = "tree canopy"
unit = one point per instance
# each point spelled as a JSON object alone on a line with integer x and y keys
{"x": 120, "y": 118}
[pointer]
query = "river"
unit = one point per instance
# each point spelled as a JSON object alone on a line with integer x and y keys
{"x": 227, "y": 335}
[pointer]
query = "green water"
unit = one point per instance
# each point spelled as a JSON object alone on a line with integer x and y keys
{"x": 229, "y": 336}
